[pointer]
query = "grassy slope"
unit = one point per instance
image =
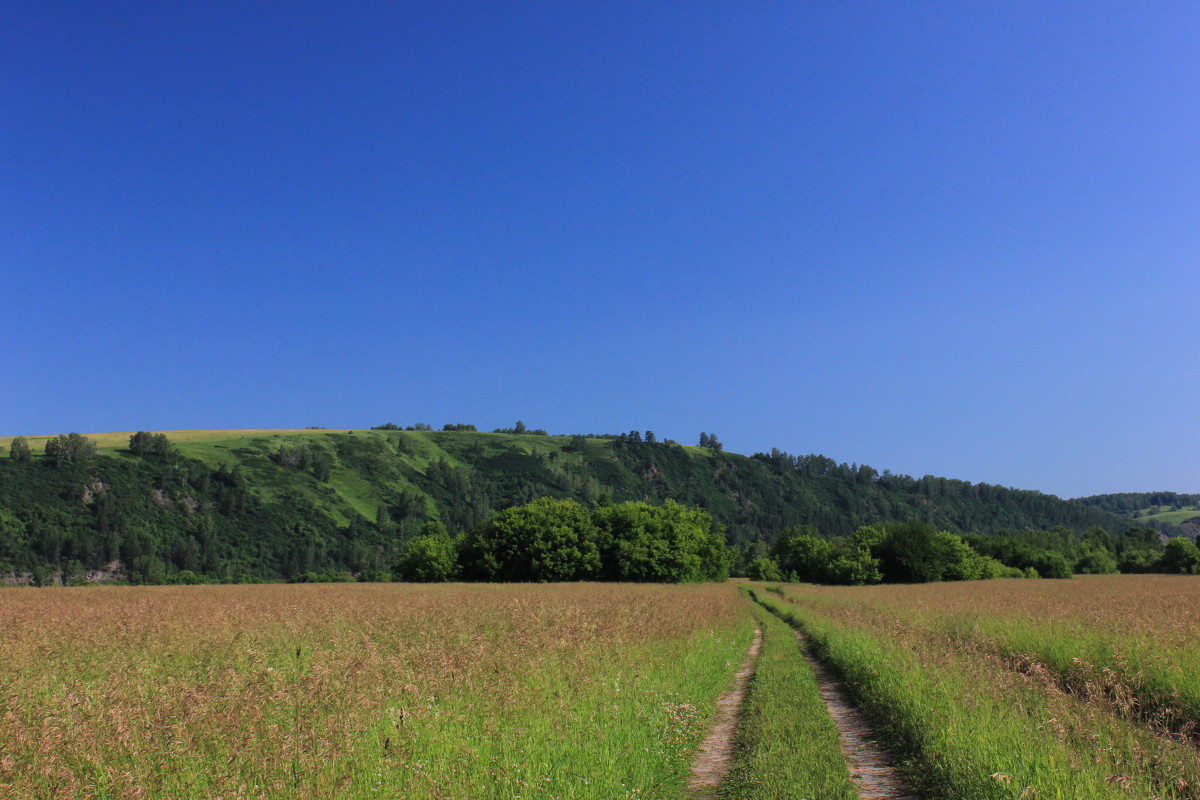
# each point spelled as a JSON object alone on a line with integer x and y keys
{"x": 1170, "y": 517}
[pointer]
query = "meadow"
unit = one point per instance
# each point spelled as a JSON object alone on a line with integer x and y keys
{"x": 1080, "y": 689}
{"x": 1068, "y": 689}
{"x": 304, "y": 691}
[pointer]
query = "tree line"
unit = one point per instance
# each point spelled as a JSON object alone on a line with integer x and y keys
{"x": 917, "y": 552}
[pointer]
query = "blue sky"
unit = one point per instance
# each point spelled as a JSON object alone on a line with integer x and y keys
{"x": 952, "y": 238}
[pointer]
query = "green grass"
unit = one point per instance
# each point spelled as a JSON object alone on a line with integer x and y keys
{"x": 1172, "y": 517}
{"x": 973, "y": 730}
{"x": 363, "y": 691}
{"x": 787, "y": 744}
{"x": 1136, "y": 677}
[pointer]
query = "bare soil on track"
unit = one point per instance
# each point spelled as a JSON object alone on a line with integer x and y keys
{"x": 712, "y": 763}
{"x": 871, "y": 768}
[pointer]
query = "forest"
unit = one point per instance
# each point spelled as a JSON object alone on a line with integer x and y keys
{"x": 315, "y": 504}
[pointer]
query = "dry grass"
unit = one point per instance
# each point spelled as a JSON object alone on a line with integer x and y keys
{"x": 1161, "y": 607}
{"x": 1106, "y": 667}
{"x": 360, "y": 690}
{"x": 120, "y": 439}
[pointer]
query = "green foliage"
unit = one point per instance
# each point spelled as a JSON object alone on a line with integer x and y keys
{"x": 561, "y": 540}
{"x": 545, "y": 540}
{"x": 764, "y": 568}
{"x": 855, "y": 567}
{"x": 1095, "y": 561}
{"x": 670, "y": 543}
{"x": 19, "y": 450}
{"x": 429, "y": 557}
{"x": 221, "y": 505}
{"x": 73, "y": 448}
{"x": 308, "y": 454}
{"x": 143, "y": 443}
{"x": 1180, "y": 557}
{"x": 909, "y": 552}
{"x": 329, "y": 576}
{"x": 802, "y": 551}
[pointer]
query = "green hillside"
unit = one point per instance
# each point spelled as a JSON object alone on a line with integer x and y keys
{"x": 1149, "y": 508}
{"x": 268, "y": 504}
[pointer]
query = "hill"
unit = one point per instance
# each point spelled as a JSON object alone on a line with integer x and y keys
{"x": 270, "y": 504}
{"x": 1159, "y": 509}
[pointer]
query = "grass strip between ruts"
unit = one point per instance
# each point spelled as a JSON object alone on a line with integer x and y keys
{"x": 787, "y": 745}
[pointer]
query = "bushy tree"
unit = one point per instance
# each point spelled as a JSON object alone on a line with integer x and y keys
{"x": 1097, "y": 561}
{"x": 670, "y": 543}
{"x": 428, "y": 557}
{"x": 763, "y": 568}
{"x": 73, "y": 448}
{"x": 1049, "y": 564}
{"x": 1180, "y": 557}
{"x": 143, "y": 443}
{"x": 19, "y": 450}
{"x": 546, "y": 540}
{"x": 801, "y": 551}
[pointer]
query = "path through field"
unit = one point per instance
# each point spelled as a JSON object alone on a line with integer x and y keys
{"x": 871, "y": 768}
{"x": 711, "y": 764}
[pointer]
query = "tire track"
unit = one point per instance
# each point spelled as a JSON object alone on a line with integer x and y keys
{"x": 711, "y": 764}
{"x": 872, "y": 770}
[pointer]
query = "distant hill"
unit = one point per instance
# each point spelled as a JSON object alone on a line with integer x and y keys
{"x": 1159, "y": 509}
{"x": 269, "y": 504}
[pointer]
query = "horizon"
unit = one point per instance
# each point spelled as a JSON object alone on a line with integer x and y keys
{"x": 938, "y": 239}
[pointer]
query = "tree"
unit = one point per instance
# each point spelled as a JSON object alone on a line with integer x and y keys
{"x": 545, "y": 540}
{"x": 1049, "y": 564}
{"x": 428, "y": 557}
{"x": 1180, "y": 557}
{"x": 763, "y": 568}
{"x": 650, "y": 437}
{"x": 802, "y": 551}
{"x": 856, "y": 567}
{"x": 519, "y": 427}
{"x": 149, "y": 444}
{"x": 914, "y": 553}
{"x": 670, "y": 543}
{"x": 703, "y": 439}
{"x": 20, "y": 450}
{"x": 70, "y": 449}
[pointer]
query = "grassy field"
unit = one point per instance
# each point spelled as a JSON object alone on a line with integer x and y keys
{"x": 353, "y": 691}
{"x": 1067, "y": 689}
{"x": 1076, "y": 690}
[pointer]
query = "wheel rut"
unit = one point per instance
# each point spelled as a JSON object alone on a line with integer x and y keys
{"x": 712, "y": 763}
{"x": 873, "y": 771}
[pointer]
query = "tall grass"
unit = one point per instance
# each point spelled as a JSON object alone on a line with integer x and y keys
{"x": 1130, "y": 644}
{"x": 366, "y": 690}
{"x": 972, "y": 728}
{"x": 787, "y": 744}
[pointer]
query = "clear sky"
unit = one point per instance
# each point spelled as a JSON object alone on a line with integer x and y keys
{"x": 954, "y": 238}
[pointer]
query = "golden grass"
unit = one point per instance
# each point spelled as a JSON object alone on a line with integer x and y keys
{"x": 969, "y": 707}
{"x": 360, "y": 690}
{"x": 1163, "y": 608}
{"x": 120, "y": 439}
